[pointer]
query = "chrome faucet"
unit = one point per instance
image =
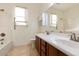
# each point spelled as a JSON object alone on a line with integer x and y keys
{"x": 73, "y": 36}
{"x": 1, "y": 39}
{"x": 47, "y": 32}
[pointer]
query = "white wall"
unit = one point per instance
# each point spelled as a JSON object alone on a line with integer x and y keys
{"x": 6, "y": 20}
{"x": 23, "y": 34}
{"x": 72, "y": 19}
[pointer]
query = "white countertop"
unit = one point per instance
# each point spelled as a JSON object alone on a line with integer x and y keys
{"x": 61, "y": 42}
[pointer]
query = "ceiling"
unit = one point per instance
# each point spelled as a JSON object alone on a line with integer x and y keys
{"x": 63, "y": 6}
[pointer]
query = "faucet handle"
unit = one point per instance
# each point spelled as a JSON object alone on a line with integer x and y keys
{"x": 2, "y": 34}
{"x": 1, "y": 39}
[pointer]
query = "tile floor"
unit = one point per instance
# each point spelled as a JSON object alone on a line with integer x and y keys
{"x": 26, "y": 50}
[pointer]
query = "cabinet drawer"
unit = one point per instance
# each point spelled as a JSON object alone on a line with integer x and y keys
{"x": 43, "y": 48}
{"x": 37, "y": 44}
{"x": 43, "y": 42}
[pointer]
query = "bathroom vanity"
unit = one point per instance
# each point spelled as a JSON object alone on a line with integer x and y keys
{"x": 45, "y": 49}
{"x": 56, "y": 45}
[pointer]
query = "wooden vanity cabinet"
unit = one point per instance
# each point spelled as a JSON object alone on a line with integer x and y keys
{"x": 45, "y": 49}
{"x": 40, "y": 46}
{"x": 51, "y": 51}
{"x": 61, "y": 53}
{"x": 37, "y": 44}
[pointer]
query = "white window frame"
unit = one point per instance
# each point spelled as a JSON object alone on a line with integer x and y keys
{"x": 19, "y": 23}
{"x": 53, "y": 20}
{"x": 45, "y": 19}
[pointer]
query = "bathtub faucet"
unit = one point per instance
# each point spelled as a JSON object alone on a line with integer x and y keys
{"x": 1, "y": 39}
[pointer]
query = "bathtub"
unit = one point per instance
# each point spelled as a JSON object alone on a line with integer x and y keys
{"x": 5, "y": 47}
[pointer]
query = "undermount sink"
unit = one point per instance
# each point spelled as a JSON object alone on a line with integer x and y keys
{"x": 68, "y": 43}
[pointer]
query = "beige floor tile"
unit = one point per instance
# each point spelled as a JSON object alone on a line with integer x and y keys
{"x": 25, "y": 50}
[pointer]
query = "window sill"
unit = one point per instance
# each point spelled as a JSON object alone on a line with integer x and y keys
{"x": 21, "y": 25}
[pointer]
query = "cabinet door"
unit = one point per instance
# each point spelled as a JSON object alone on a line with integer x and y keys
{"x": 43, "y": 48}
{"x": 51, "y": 51}
{"x": 37, "y": 43}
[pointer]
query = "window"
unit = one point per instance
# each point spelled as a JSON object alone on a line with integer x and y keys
{"x": 44, "y": 19}
{"x": 20, "y": 16}
{"x": 53, "y": 20}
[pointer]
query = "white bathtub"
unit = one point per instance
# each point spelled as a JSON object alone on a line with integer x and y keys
{"x": 4, "y": 48}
